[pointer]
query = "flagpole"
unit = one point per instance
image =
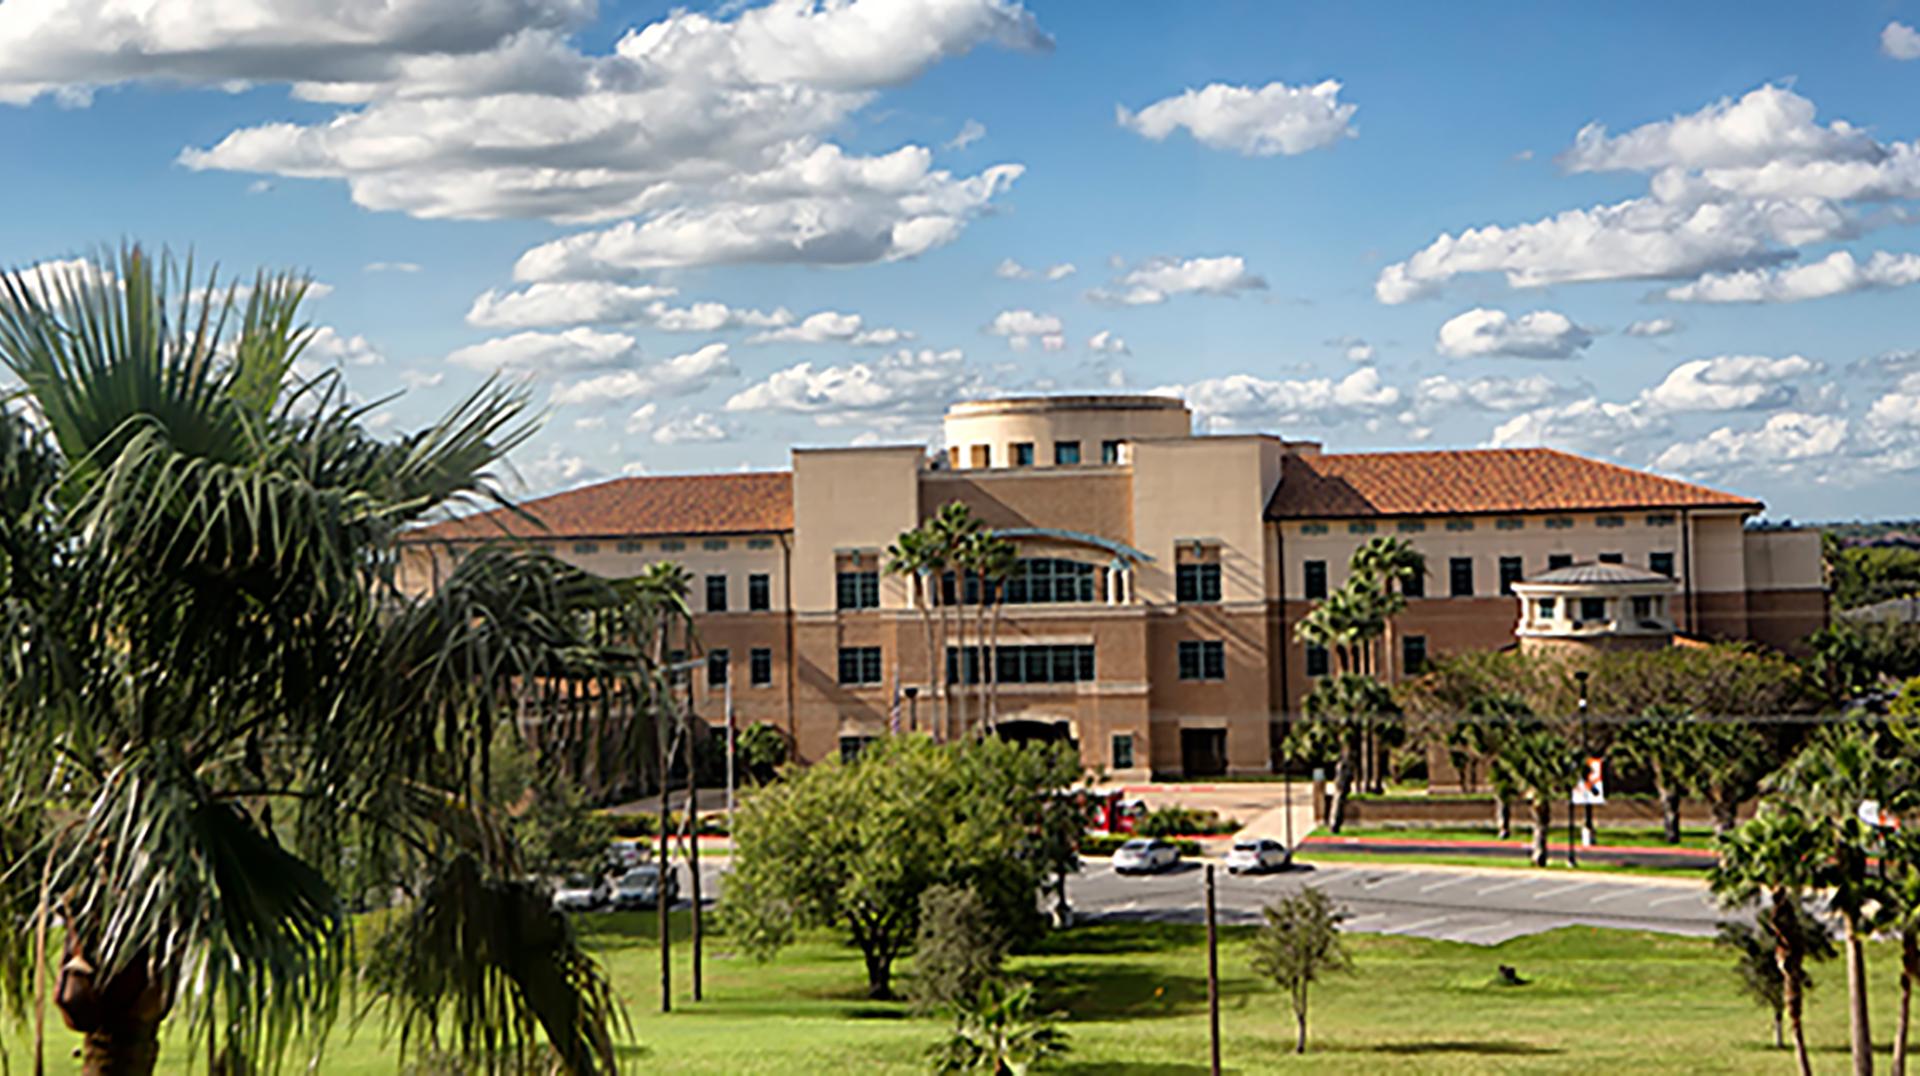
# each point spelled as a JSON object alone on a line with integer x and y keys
{"x": 729, "y": 706}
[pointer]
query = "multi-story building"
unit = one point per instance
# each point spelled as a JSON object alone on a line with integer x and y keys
{"x": 1161, "y": 574}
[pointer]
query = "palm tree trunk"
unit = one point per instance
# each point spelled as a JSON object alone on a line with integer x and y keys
{"x": 992, "y": 658}
{"x": 1670, "y": 813}
{"x": 1542, "y": 823}
{"x": 1502, "y": 816}
{"x": 1779, "y": 1040}
{"x": 1909, "y": 969}
{"x": 1342, "y": 786}
{"x": 1785, "y": 927}
{"x": 1726, "y": 814}
{"x": 934, "y": 662}
{"x": 119, "y": 1018}
{"x": 1860, "y": 1034}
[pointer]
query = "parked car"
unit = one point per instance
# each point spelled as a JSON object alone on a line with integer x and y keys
{"x": 581, "y": 893}
{"x": 640, "y": 888}
{"x": 1257, "y": 855}
{"x": 1144, "y": 855}
{"x": 626, "y": 855}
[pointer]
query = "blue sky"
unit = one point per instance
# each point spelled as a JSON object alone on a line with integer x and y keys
{"x": 1398, "y": 226}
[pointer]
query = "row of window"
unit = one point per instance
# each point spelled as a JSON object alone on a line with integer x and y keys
{"x": 1460, "y": 573}
{"x": 1066, "y": 663}
{"x": 1413, "y": 656}
{"x": 759, "y": 667}
{"x": 1034, "y": 581}
{"x": 759, "y": 593}
{"x": 1553, "y": 523}
{"x": 1595, "y": 608}
{"x": 1065, "y": 453}
{"x": 669, "y": 545}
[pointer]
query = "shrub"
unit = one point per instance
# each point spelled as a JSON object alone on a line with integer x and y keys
{"x": 1182, "y": 821}
{"x": 647, "y": 824}
{"x": 997, "y": 1031}
{"x": 958, "y": 949}
{"x": 1104, "y": 844}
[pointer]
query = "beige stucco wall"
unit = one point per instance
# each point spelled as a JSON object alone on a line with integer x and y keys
{"x": 851, "y": 498}
{"x": 1040, "y": 422}
{"x": 1212, "y": 489}
{"x": 1784, "y": 560}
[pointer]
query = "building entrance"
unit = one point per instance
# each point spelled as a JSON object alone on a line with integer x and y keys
{"x": 1203, "y": 752}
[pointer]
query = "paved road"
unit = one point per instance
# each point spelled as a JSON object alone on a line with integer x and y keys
{"x": 1454, "y": 904}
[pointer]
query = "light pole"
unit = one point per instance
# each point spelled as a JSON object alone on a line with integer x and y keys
{"x": 1586, "y": 830}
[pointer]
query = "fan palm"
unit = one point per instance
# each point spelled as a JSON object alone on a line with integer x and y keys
{"x": 217, "y": 708}
{"x": 1540, "y": 762}
{"x": 916, "y": 556}
{"x": 1341, "y": 711}
{"x": 1776, "y": 855}
{"x": 1389, "y": 563}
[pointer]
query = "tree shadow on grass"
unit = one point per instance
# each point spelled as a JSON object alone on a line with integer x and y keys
{"x": 1474, "y": 1047}
{"x": 1106, "y": 990}
{"x": 1107, "y": 1068}
{"x": 1117, "y": 936}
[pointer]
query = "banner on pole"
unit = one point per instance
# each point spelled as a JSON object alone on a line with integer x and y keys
{"x": 1592, "y": 788}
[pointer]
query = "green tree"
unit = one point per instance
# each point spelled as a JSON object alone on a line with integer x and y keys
{"x": 1759, "y": 965}
{"x": 1389, "y": 563}
{"x": 1901, "y": 914}
{"x": 1298, "y": 943}
{"x": 1664, "y": 743}
{"x": 1777, "y": 855}
{"x": 1340, "y": 711}
{"x": 1474, "y": 742}
{"x": 217, "y": 706}
{"x": 917, "y": 556}
{"x": 854, "y": 846}
{"x": 958, "y": 949}
{"x": 1542, "y": 764}
{"x": 762, "y": 749}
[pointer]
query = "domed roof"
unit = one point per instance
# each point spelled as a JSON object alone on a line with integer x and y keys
{"x": 1597, "y": 574}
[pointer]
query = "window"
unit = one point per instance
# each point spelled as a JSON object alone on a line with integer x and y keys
{"x": 1066, "y": 453}
{"x": 859, "y": 664}
{"x": 1593, "y": 609}
{"x": 1196, "y": 583}
{"x": 1661, "y": 562}
{"x": 585, "y": 548}
{"x": 1313, "y": 528}
{"x": 1460, "y": 577}
{"x": 1459, "y": 524}
{"x": 1660, "y": 519}
{"x": 1316, "y": 661}
{"x": 1559, "y": 523}
{"x": 759, "y": 592}
{"x": 1413, "y": 653}
{"x": 1509, "y": 524}
{"x": 672, "y": 545}
{"x": 1059, "y": 663}
{"x": 1316, "y": 580}
{"x": 1123, "y": 751}
{"x": 1203, "y": 659}
{"x": 1360, "y": 528}
{"x": 1642, "y": 607}
{"x": 759, "y": 543}
{"x": 858, "y": 590}
{"x": 1609, "y": 521}
{"x": 1415, "y": 585}
{"x": 1023, "y": 454}
{"x": 1611, "y": 558}
{"x": 716, "y": 594}
{"x": 1410, "y": 526}
{"x": 1046, "y": 580}
{"x": 760, "y": 666}
{"x": 1110, "y": 454}
{"x": 1509, "y": 573}
{"x": 717, "y": 661}
{"x": 631, "y": 547}
{"x": 1556, "y": 561}
{"x": 1543, "y": 608}
{"x": 852, "y": 746}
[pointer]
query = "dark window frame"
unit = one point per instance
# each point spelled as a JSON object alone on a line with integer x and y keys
{"x": 759, "y": 592}
{"x": 1313, "y": 579}
{"x": 760, "y": 666}
{"x": 1460, "y": 577}
{"x": 719, "y": 606}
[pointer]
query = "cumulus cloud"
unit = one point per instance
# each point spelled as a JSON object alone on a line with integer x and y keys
{"x": 1241, "y": 400}
{"x": 681, "y": 375}
{"x": 1105, "y": 342}
{"x": 700, "y": 427}
{"x": 1729, "y": 383}
{"x": 1020, "y": 327}
{"x": 1009, "y": 269}
{"x": 970, "y": 132}
{"x": 1484, "y": 333}
{"x": 1158, "y": 279}
{"x": 546, "y": 353}
{"x": 831, "y": 327}
{"x": 577, "y": 302}
{"x": 904, "y": 386}
{"x": 1900, "y": 41}
{"x": 1653, "y": 327}
{"x": 1439, "y": 394}
{"x": 1786, "y": 441}
{"x": 1738, "y": 185}
{"x": 1584, "y": 425}
{"x": 1263, "y": 121}
{"x": 329, "y": 347}
{"x": 1836, "y": 274}
{"x": 641, "y": 420}
{"x": 392, "y": 267}
{"x": 554, "y": 470}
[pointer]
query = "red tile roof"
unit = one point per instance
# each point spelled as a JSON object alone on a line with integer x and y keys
{"x": 1475, "y": 481}
{"x": 753, "y": 502}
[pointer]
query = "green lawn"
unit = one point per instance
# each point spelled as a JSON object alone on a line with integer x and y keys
{"x": 1135, "y": 997}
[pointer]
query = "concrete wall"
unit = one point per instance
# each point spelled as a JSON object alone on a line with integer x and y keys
{"x": 1089, "y": 420}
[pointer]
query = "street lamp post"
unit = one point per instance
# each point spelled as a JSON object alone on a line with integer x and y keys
{"x": 1586, "y": 830}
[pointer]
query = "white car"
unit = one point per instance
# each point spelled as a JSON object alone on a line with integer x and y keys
{"x": 581, "y": 893}
{"x": 1144, "y": 855}
{"x": 1257, "y": 855}
{"x": 640, "y": 888}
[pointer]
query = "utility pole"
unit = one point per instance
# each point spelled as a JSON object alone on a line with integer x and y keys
{"x": 693, "y": 843}
{"x": 1586, "y": 831}
{"x": 1213, "y": 978}
{"x": 663, "y": 732}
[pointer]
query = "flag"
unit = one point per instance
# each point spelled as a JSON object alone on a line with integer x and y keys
{"x": 893, "y": 715}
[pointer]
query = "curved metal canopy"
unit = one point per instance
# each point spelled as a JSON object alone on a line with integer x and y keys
{"x": 1118, "y": 549}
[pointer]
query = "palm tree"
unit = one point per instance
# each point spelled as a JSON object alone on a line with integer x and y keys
{"x": 218, "y": 709}
{"x": 1479, "y": 736}
{"x": 1664, "y": 743}
{"x": 1341, "y": 710}
{"x": 1541, "y": 762}
{"x": 1776, "y": 855}
{"x": 1902, "y": 916}
{"x": 1389, "y": 563}
{"x": 998, "y": 560}
{"x": 913, "y": 556}
{"x": 951, "y": 530}
{"x": 659, "y": 597}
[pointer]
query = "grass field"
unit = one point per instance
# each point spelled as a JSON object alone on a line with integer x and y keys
{"x": 1134, "y": 997}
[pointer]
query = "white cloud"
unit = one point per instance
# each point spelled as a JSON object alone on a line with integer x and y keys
{"x": 555, "y": 470}
{"x": 1653, "y": 327}
{"x": 970, "y": 132}
{"x": 1767, "y": 125}
{"x": 1729, "y": 383}
{"x": 1158, "y": 279}
{"x": 422, "y": 379}
{"x": 1786, "y": 441}
{"x": 1900, "y": 41}
{"x": 906, "y": 385}
{"x": 1439, "y": 393}
{"x": 1105, "y": 342}
{"x": 1255, "y": 122}
{"x": 1239, "y": 400}
{"x": 589, "y": 423}
{"x": 711, "y": 317}
{"x": 1900, "y": 408}
{"x": 1484, "y": 333}
{"x": 641, "y": 420}
{"x": 1835, "y": 274}
{"x": 681, "y": 375}
{"x": 327, "y": 346}
{"x": 576, "y": 302}
{"x": 541, "y": 353}
{"x": 392, "y": 267}
{"x": 1584, "y": 425}
{"x": 829, "y": 326}
{"x": 684, "y": 429}
{"x": 1018, "y": 326}
{"x": 1008, "y": 269}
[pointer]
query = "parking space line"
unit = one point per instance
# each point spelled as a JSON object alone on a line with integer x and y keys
{"x": 1557, "y": 890}
{"x": 1414, "y": 928}
{"x": 1615, "y": 895}
{"x": 1676, "y": 898}
{"x": 1507, "y": 885}
{"x": 1445, "y": 882}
